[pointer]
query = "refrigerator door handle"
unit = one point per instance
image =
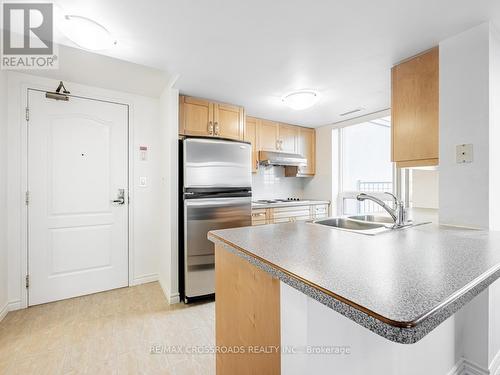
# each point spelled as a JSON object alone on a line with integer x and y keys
{"x": 218, "y": 201}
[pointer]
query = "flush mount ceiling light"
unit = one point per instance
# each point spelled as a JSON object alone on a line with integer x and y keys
{"x": 87, "y": 33}
{"x": 300, "y": 100}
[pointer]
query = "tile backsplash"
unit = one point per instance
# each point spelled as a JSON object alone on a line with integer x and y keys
{"x": 270, "y": 182}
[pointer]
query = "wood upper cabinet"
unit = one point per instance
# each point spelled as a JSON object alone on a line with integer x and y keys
{"x": 268, "y": 136}
{"x": 229, "y": 121}
{"x": 415, "y": 111}
{"x": 251, "y": 126}
{"x": 307, "y": 148}
{"x": 273, "y": 136}
{"x": 288, "y": 136}
{"x": 195, "y": 116}
{"x": 201, "y": 117}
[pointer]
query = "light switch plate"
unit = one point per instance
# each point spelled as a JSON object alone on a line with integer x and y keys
{"x": 465, "y": 153}
{"x": 143, "y": 181}
{"x": 143, "y": 150}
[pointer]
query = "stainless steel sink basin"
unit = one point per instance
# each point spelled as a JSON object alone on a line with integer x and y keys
{"x": 354, "y": 226}
{"x": 364, "y": 224}
{"x": 373, "y": 218}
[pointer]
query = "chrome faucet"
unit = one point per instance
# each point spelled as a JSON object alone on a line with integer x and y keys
{"x": 398, "y": 214}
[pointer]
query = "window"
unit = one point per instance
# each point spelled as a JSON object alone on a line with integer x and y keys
{"x": 366, "y": 165}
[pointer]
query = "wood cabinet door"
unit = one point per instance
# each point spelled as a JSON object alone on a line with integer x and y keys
{"x": 229, "y": 121}
{"x": 196, "y": 116}
{"x": 288, "y": 136}
{"x": 307, "y": 148}
{"x": 268, "y": 135}
{"x": 251, "y": 125}
{"x": 415, "y": 110}
{"x": 247, "y": 314}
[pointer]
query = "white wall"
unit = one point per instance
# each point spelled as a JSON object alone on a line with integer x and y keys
{"x": 494, "y": 170}
{"x": 464, "y": 118}
{"x": 494, "y": 136}
{"x": 168, "y": 260}
{"x": 146, "y": 220}
{"x": 270, "y": 182}
{"x": 96, "y": 70}
{"x": 469, "y": 105}
{"x": 3, "y": 194}
{"x": 306, "y": 322}
{"x": 425, "y": 188}
{"x": 324, "y": 184}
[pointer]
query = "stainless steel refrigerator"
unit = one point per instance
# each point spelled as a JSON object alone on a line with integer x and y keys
{"x": 216, "y": 193}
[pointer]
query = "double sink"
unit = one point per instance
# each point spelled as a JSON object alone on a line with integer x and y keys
{"x": 365, "y": 224}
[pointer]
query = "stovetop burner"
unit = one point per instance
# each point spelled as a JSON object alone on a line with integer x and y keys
{"x": 269, "y": 201}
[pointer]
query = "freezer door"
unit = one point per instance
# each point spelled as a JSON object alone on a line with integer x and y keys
{"x": 213, "y": 163}
{"x": 202, "y": 216}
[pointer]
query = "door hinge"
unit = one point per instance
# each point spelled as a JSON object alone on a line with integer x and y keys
{"x": 27, "y": 114}
{"x": 27, "y": 281}
{"x": 27, "y": 198}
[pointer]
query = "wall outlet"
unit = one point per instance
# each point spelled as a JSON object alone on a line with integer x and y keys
{"x": 465, "y": 153}
{"x": 143, "y": 181}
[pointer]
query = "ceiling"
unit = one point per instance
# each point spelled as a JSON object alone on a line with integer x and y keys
{"x": 253, "y": 52}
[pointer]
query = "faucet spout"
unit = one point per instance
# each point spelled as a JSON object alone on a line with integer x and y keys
{"x": 398, "y": 214}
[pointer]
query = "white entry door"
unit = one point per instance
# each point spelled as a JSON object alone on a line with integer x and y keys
{"x": 77, "y": 167}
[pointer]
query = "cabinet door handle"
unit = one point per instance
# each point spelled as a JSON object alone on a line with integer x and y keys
{"x": 259, "y": 214}
{"x": 217, "y": 129}
{"x": 210, "y": 128}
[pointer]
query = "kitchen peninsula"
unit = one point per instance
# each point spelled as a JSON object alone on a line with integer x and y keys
{"x": 303, "y": 283}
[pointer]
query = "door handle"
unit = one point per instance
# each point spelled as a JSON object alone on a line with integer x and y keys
{"x": 121, "y": 197}
{"x": 210, "y": 128}
{"x": 217, "y": 129}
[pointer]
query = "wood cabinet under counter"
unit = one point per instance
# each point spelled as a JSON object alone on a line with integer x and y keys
{"x": 309, "y": 210}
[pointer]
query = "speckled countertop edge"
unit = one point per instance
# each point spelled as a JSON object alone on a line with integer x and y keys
{"x": 401, "y": 335}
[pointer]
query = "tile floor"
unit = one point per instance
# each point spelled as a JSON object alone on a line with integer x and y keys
{"x": 108, "y": 333}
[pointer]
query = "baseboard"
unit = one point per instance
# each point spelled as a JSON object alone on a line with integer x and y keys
{"x": 172, "y": 298}
{"x": 10, "y": 306}
{"x": 4, "y": 311}
{"x": 16, "y": 305}
{"x": 465, "y": 367}
{"x": 144, "y": 279}
{"x": 495, "y": 365}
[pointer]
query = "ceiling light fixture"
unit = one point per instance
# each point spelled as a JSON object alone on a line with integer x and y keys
{"x": 302, "y": 99}
{"x": 87, "y": 33}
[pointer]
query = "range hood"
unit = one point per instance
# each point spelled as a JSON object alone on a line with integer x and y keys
{"x": 282, "y": 158}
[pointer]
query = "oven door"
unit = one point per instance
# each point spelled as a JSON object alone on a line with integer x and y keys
{"x": 200, "y": 217}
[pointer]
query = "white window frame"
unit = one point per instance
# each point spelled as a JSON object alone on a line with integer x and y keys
{"x": 396, "y": 172}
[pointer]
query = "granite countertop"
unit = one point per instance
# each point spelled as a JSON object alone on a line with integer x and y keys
{"x": 400, "y": 284}
{"x": 305, "y": 202}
